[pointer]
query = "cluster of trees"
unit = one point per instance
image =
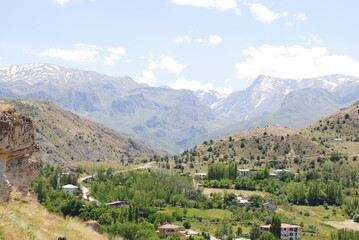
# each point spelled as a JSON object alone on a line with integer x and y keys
{"x": 146, "y": 189}
{"x": 312, "y": 188}
{"x": 219, "y": 171}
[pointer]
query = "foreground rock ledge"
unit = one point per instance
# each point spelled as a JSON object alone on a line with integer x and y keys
{"x": 16, "y": 146}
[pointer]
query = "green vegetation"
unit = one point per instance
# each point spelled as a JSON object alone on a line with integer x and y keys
{"x": 345, "y": 234}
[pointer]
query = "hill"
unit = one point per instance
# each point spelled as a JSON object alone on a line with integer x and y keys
{"x": 280, "y": 147}
{"x": 343, "y": 126}
{"x": 65, "y": 137}
{"x": 30, "y": 220}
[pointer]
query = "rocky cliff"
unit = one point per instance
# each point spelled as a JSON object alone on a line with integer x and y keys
{"x": 16, "y": 146}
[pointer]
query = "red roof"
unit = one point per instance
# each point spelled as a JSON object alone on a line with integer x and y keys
{"x": 283, "y": 225}
{"x": 167, "y": 225}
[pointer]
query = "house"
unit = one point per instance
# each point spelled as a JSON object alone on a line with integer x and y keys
{"x": 278, "y": 172}
{"x": 131, "y": 160}
{"x": 269, "y": 206}
{"x": 288, "y": 232}
{"x": 69, "y": 189}
{"x": 242, "y": 201}
{"x": 200, "y": 175}
{"x": 117, "y": 204}
{"x": 169, "y": 229}
{"x": 335, "y": 139}
{"x": 245, "y": 172}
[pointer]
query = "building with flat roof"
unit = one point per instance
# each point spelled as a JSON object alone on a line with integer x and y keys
{"x": 69, "y": 189}
{"x": 288, "y": 231}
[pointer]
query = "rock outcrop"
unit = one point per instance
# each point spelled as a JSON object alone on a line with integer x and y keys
{"x": 16, "y": 146}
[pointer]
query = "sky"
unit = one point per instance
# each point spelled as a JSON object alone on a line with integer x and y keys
{"x": 218, "y": 45}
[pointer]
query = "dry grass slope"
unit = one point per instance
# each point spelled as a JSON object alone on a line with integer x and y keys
{"x": 21, "y": 220}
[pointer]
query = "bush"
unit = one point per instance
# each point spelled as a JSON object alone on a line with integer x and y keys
{"x": 186, "y": 224}
{"x": 356, "y": 218}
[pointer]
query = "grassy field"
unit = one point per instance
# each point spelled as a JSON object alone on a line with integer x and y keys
{"x": 245, "y": 193}
{"x": 315, "y": 220}
{"x": 31, "y": 221}
{"x": 91, "y": 167}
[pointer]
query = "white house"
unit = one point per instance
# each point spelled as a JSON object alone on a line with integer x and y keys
{"x": 242, "y": 201}
{"x": 200, "y": 175}
{"x": 269, "y": 206}
{"x": 288, "y": 232}
{"x": 69, "y": 189}
{"x": 245, "y": 172}
{"x": 279, "y": 171}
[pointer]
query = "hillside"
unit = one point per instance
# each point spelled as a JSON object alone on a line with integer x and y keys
{"x": 65, "y": 137}
{"x": 343, "y": 125}
{"x": 280, "y": 147}
{"x": 30, "y": 220}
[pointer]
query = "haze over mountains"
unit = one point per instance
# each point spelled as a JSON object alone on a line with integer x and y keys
{"x": 173, "y": 120}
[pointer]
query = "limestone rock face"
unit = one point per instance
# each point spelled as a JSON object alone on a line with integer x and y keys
{"x": 16, "y": 145}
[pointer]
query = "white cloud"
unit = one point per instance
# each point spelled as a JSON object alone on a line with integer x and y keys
{"x": 211, "y": 40}
{"x": 163, "y": 63}
{"x": 301, "y": 17}
{"x": 293, "y": 62}
{"x": 85, "y": 53}
{"x": 263, "y": 14}
{"x": 183, "y": 83}
{"x": 222, "y": 5}
{"x": 115, "y": 54}
{"x": 311, "y": 39}
{"x": 62, "y": 2}
{"x": 181, "y": 39}
{"x": 166, "y": 63}
{"x": 148, "y": 77}
{"x": 74, "y": 55}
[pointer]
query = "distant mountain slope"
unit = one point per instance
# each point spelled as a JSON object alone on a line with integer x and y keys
{"x": 298, "y": 109}
{"x": 162, "y": 117}
{"x": 174, "y": 120}
{"x": 65, "y": 137}
{"x": 266, "y": 95}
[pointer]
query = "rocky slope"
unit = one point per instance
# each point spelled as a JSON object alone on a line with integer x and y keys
{"x": 16, "y": 146}
{"x": 65, "y": 137}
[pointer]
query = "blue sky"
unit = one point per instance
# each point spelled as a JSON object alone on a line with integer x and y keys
{"x": 196, "y": 44}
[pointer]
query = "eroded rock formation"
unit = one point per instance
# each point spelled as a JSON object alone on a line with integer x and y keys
{"x": 16, "y": 146}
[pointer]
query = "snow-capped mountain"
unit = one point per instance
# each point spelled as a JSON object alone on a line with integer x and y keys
{"x": 169, "y": 118}
{"x": 162, "y": 117}
{"x": 210, "y": 97}
{"x": 266, "y": 94}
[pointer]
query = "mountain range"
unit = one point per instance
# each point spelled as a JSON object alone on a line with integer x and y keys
{"x": 174, "y": 120}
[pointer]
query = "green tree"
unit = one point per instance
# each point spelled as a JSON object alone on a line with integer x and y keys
{"x": 267, "y": 236}
{"x": 255, "y": 231}
{"x": 275, "y": 226}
